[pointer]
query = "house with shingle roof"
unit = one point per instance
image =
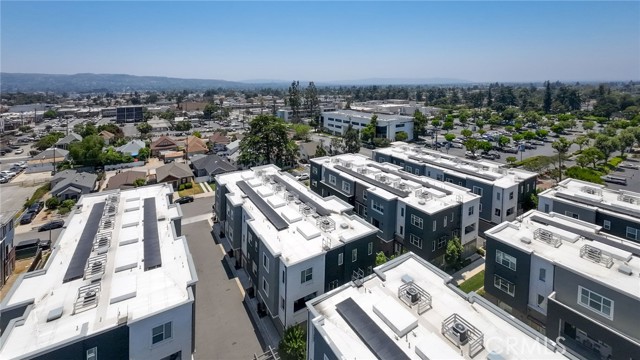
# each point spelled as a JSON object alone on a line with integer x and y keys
{"x": 68, "y": 140}
{"x": 107, "y": 136}
{"x": 70, "y": 184}
{"x": 211, "y": 165}
{"x": 163, "y": 143}
{"x": 194, "y": 145}
{"x": 175, "y": 173}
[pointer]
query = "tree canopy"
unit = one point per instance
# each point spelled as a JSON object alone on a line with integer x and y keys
{"x": 267, "y": 142}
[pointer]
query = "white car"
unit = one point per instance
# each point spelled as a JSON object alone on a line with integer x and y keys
{"x": 19, "y": 151}
{"x": 8, "y": 174}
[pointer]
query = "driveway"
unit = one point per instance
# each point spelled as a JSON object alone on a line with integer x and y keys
{"x": 223, "y": 327}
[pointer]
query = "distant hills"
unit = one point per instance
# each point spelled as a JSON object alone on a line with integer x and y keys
{"x": 14, "y": 82}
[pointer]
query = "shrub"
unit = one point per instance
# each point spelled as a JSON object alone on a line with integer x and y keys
{"x": 188, "y": 185}
{"x": 52, "y": 203}
{"x": 614, "y": 162}
{"x": 480, "y": 251}
{"x": 68, "y": 203}
{"x": 584, "y": 174}
{"x": 181, "y": 187}
{"x": 63, "y": 210}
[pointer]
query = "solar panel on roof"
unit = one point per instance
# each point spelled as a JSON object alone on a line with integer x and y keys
{"x": 304, "y": 198}
{"x": 152, "y": 258}
{"x": 269, "y": 213}
{"x": 375, "y": 182}
{"x": 369, "y": 332}
{"x": 85, "y": 244}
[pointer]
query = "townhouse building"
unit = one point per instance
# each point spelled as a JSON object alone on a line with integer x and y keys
{"x": 337, "y": 122}
{"x": 119, "y": 284}
{"x": 617, "y": 211}
{"x": 409, "y": 309}
{"x": 7, "y": 248}
{"x": 293, "y": 244}
{"x": 569, "y": 280}
{"x": 411, "y": 212}
{"x": 504, "y": 193}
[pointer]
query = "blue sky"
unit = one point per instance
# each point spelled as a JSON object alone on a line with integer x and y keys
{"x": 325, "y": 41}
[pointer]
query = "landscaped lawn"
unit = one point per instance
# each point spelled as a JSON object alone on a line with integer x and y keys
{"x": 196, "y": 189}
{"x": 474, "y": 283}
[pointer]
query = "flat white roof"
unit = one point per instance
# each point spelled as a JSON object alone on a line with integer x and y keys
{"x": 525, "y": 234}
{"x": 424, "y": 193}
{"x": 367, "y": 115}
{"x": 127, "y": 292}
{"x": 378, "y": 298}
{"x": 481, "y": 170}
{"x": 303, "y": 237}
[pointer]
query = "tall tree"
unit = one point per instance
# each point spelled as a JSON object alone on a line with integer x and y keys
{"x": 548, "y": 99}
{"x": 626, "y": 140}
{"x": 311, "y": 101}
{"x": 351, "y": 140}
{"x": 369, "y": 131}
{"x": 88, "y": 151}
{"x": 294, "y": 100}
{"x": 606, "y": 144}
{"x": 561, "y": 146}
{"x": 267, "y": 142}
{"x": 419, "y": 124}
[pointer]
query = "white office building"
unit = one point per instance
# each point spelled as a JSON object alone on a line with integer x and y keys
{"x": 337, "y": 122}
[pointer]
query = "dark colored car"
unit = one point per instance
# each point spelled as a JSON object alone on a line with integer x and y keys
{"x": 36, "y": 207}
{"x": 27, "y": 218}
{"x": 184, "y": 200}
{"x": 54, "y": 224}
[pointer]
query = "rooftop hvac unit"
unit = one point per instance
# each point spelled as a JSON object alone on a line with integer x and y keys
{"x": 414, "y": 295}
{"x": 460, "y": 331}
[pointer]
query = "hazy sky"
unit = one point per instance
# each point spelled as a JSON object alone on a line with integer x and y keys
{"x": 323, "y": 41}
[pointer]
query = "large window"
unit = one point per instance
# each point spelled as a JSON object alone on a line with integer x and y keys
{"x": 301, "y": 303}
{"x": 632, "y": 233}
{"x": 306, "y": 275}
{"x": 506, "y": 260}
{"x": 504, "y": 285}
{"x": 92, "y": 354}
{"x": 417, "y": 221}
{"x": 471, "y": 210}
{"x": 346, "y": 187}
{"x": 377, "y": 206}
{"x": 543, "y": 274}
{"x": 415, "y": 241}
{"x": 477, "y": 190}
{"x": 332, "y": 179}
{"x": 364, "y": 195}
{"x": 314, "y": 170}
{"x": 441, "y": 242}
{"x": 435, "y": 223}
{"x": 159, "y": 333}
{"x": 595, "y": 302}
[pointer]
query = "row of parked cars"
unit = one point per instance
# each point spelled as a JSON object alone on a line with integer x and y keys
{"x": 16, "y": 168}
{"x": 33, "y": 210}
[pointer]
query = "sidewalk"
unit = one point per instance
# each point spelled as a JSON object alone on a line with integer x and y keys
{"x": 477, "y": 265}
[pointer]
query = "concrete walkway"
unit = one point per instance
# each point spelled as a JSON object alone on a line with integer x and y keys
{"x": 476, "y": 266}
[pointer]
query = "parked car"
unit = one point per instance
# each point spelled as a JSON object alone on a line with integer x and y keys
{"x": 36, "y": 207}
{"x": 615, "y": 179}
{"x": 303, "y": 177}
{"x": 470, "y": 155}
{"x": 537, "y": 142}
{"x": 54, "y": 224}
{"x": 27, "y": 217}
{"x": 510, "y": 150}
{"x": 184, "y": 200}
{"x": 456, "y": 145}
{"x": 3, "y": 180}
{"x": 529, "y": 145}
{"x": 19, "y": 151}
{"x": 7, "y": 173}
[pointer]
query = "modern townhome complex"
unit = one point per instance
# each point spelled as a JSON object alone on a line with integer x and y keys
{"x": 504, "y": 193}
{"x": 337, "y": 122}
{"x": 616, "y": 211}
{"x": 408, "y": 309}
{"x": 569, "y": 280}
{"x": 7, "y": 248}
{"x": 119, "y": 284}
{"x": 294, "y": 244}
{"x": 411, "y": 212}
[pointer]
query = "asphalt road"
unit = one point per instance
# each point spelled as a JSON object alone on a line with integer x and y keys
{"x": 223, "y": 327}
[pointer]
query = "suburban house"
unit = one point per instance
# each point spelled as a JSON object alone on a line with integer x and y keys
{"x": 7, "y": 249}
{"x": 125, "y": 179}
{"x": 70, "y": 184}
{"x": 105, "y": 293}
{"x": 218, "y": 141}
{"x": 68, "y": 140}
{"x": 107, "y": 136}
{"x": 194, "y": 145}
{"x": 158, "y": 124}
{"x": 132, "y": 147}
{"x": 569, "y": 280}
{"x": 210, "y": 165}
{"x": 175, "y": 173}
{"x": 163, "y": 143}
{"x": 46, "y": 160}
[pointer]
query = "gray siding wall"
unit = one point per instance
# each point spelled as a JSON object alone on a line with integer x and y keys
{"x": 584, "y": 214}
{"x": 342, "y": 273}
{"x": 625, "y": 309}
{"x": 221, "y": 202}
{"x": 520, "y": 277}
{"x": 387, "y": 220}
{"x": 315, "y": 176}
{"x": 427, "y": 234}
{"x": 271, "y": 276}
{"x": 486, "y": 199}
{"x": 236, "y": 225}
{"x": 375, "y": 156}
{"x": 253, "y": 248}
{"x": 321, "y": 349}
{"x": 113, "y": 344}
{"x": 524, "y": 196}
{"x": 618, "y": 225}
{"x": 457, "y": 180}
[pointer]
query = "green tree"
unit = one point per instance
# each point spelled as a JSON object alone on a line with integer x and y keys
{"x": 293, "y": 345}
{"x": 112, "y": 128}
{"x": 542, "y": 133}
{"x": 471, "y": 145}
{"x": 144, "y": 153}
{"x": 88, "y": 151}
{"x": 401, "y": 136}
{"x": 183, "y": 125}
{"x": 210, "y": 110}
{"x": 453, "y": 253}
{"x": 336, "y": 146}
{"x": 320, "y": 151}
{"x": 144, "y": 129}
{"x": 48, "y": 140}
{"x": 139, "y": 182}
{"x": 352, "y": 140}
{"x": 511, "y": 160}
{"x": 197, "y": 134}
{"x": 267, "y": 142}
{"x": 381, "y": 258}
{"x": 52, "y": 203}
{"x": 50, "y": 114}
{"x": 581, "y": 141}
{"x": 561, "y": 146}
{"x": 301, "y": 131}
{"x": 466, "y": 133}
{"x": 589, "y": 156}
{"x": 311, "y": 102}
{"x": 369, "y": 131}
{"x": 24, "y": 128}
{"x": 485, "y": 146}
{"x": 626, "y": 140}
{"x": 419, "y": 124}
{"x": 557, "y": 128}
{"x": 607, "y": 145}
{"x": 517, "y": 137}
{"x": 449, "y": 137}
{"x": 588, "y": 125}
{"x": 529, "y": 135}
{"x": 294, "y": 100}
{"x": 503, "y": 141}
{"x": 546, "y": 103}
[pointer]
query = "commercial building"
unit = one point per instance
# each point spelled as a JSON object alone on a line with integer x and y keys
{"x": 129, "y": 114}
{"x": 565, "y": 277}
{"x": 616, "y": 211}
{"x": 411, "y": 212}
{"x": 119, "y": 284}
{"x": 293, "y": 244}
{"x": 504, "y": 193}
{"x": 7, "y": 249}
{"x": 337, "y": 122}
{"x": 408, "y": 309}
{"x": 286, "y": 113}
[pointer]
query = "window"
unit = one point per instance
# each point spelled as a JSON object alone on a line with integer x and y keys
{"x": 265, "y": 262}
{"x": 441, "y": 242}
{"x": 249, "y": 238}
{"x": 401, "y": 211}
{"x": 444, "y": 222}
{"x": 332, "y": 179}
{"x": 346, "y": 187}
{"x": 632, "y": 233}
{"x": 409, "y": 169}
{"x": 607, "y": 225}
{"x": 401, "y": 230}
{"x": 546, "y": 208}
{"x": 302, "y": 302}
{"x": 504, "y": 285}
{"x": 415, "y": 241}
{"x": 314, "y": 170}
{"x": 511, "y": 195}
{"x": 595, "y": 302}
{"x": 429, "y": 173}
{"x": 527, "y": 187}
{"x": 506, "y": 260}
{"x": 265, "y": 286}
{"x": 469, "y": 228}
{"x": 283, "y": 276}
{"x": 521, "y": 189}
{"x": 540, "y": 300}
{"x": 92, "y": 354}
{"x": 471, "y": 210}
{"x": 282, "y": 303}
{"x": 417, "y": 172}
{"x": 573, "y": 215}
{"x": 377, "y": 207}
{"x": 497, "y": 196}
{"x": 439, "y": 177}
{"x": 364, "y": 195}
{"x": 477, "y": 190}
{"x": 370, "y": 248}
{"x": 435, "y": 223}
{"x": 497, "y": 212}
{"x": 254, "y": 268}
{"x": 542, "y": 275}
{"x": 158, "y": 334}
{"x": 306, "y": 275}
{"x": 354, "y": 255}
{"x": 433, "y": 246}
{"x": 479, "y": 207}
{"x": 340, "y": 259}
{"x": 314, "y": 183}
{"x": 510, "y": 211}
